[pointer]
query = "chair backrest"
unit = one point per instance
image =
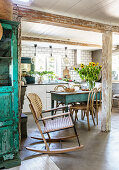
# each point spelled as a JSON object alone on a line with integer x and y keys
{"x": 75, "y": 86}
{"x": 61, "y": 87}
{"x": 99, "y": 90}
{"x": 91, "y": 97}
{"x": 36, "y": 104}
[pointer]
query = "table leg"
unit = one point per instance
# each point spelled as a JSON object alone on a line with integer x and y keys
{"x": 66, "y": 109}
{"x": 52, "y": 106}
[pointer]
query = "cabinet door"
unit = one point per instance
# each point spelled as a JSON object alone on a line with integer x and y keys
{"x": 9, "y": 132}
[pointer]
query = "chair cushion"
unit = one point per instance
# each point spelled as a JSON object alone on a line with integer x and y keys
{"x": 57, "y": 124}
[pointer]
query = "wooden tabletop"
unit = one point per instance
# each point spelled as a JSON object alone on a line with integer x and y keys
{"x": 70, "y": 93}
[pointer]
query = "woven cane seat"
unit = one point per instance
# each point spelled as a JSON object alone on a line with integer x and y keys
{"x": 57, "y": 124}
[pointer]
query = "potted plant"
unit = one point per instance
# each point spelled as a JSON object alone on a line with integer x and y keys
{"x": 51, "y": 75}
{"x": 30, "y": 78}
{"x": 42, "y": 73}
{"x": 89, "y": 72}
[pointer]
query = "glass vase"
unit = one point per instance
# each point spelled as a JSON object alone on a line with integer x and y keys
{"x": 90, "y": 84}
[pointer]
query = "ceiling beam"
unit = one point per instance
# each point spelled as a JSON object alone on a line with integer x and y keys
{"x": 63, "y": 21}
{"x": 59, "y": 41}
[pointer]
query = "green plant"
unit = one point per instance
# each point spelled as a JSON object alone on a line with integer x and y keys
{"x": 51, "y": 74}
{"x": 41, "y": 73}
{"x": 89, "y": 72}
{"x": 30, "y": 73}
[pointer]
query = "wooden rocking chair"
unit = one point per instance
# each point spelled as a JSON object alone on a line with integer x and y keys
{"x": 51, "y": 124}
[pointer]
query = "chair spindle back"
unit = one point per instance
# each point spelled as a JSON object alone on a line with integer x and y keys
{"x": 91, "y": 98}
{"x": 36, "y": 104}
{"x": 61, "y": 87}
{"x": 76, "y": 86}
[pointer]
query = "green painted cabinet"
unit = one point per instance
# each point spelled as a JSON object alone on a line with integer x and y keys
{"x": 9, "y": 116}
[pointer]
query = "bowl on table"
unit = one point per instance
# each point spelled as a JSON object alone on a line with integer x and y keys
{"x": 85, "y": 89}
{"x": 69, "y": 90}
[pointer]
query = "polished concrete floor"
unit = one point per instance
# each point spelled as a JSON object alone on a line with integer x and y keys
{"x": 39, "y": 163}
{"x": 100, "y": 152}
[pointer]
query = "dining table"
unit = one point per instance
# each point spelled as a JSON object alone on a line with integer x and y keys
{"x": 70, "y": 97}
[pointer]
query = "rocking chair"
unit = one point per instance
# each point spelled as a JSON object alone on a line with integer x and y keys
{"x": 51, "y": 124}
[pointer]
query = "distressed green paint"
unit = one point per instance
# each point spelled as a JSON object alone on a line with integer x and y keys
{"x": 9, "y": 116}
{"x": 70, "y": 98}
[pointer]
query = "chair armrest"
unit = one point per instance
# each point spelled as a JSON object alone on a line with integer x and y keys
{"x": 53, "y": 109}
{"x": 54, "y": 116}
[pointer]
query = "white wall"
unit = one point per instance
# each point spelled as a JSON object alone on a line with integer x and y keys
{"x": 83, "y": 56}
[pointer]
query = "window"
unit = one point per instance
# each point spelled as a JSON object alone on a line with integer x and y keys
{"x": 48, "y": 63}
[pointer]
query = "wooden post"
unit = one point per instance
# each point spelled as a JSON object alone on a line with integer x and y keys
{"x": 6, "y": 9}
{"x": 106, "y": 81}
{"x": 18, "y": 19}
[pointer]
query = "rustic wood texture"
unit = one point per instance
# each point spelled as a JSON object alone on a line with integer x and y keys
{"x": 9, "y": 135}
{"x": 106, "y": 81}
{"x": 19, "y": 79}
{"x": 18, "y": 19}
{"x": 1, "y": 31}
{"x": 59, "y": 41}
{"x": 59, "y": 20}
{"x": 6, "y": 9}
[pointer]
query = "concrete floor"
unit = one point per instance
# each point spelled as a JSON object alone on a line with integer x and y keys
{"x": 100, "y": 152}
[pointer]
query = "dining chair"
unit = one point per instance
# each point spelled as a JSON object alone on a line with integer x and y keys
{"x": 97, "y": 102}
{"x": 53, "y": 123}
{"x": 76, "y": 86}
{"x": 86, "y": 107}
{"x": 60, "y": 88}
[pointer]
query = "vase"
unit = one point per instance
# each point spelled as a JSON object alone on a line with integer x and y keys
{"x": 90, "y": 84}
{"x": 40, "y": 81}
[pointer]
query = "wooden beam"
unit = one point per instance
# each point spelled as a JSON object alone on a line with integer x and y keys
{"x": 106, "y": 81}
{"x": 59, "y": 41}
{"x": 63, "y": 21}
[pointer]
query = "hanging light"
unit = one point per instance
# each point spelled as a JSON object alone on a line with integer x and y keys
{"x": 33, "y": 58}
{"x": 35, "y": 45}
{"x": 50, "y": 50}
{"x": 66, "y": 60}
{"x": 65, "y": 51}
{"x": 51, "y": 56}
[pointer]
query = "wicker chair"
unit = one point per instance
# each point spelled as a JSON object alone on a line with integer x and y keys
{"x": 75, "y": 86}
{"x": 86, "y": 108}
{"x": 51, "y": 124}
{"x": 97, "y": 103}
{"x": 60, "y": 88}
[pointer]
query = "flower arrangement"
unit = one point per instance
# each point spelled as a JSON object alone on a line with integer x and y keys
{"x": 89, "y": 72}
